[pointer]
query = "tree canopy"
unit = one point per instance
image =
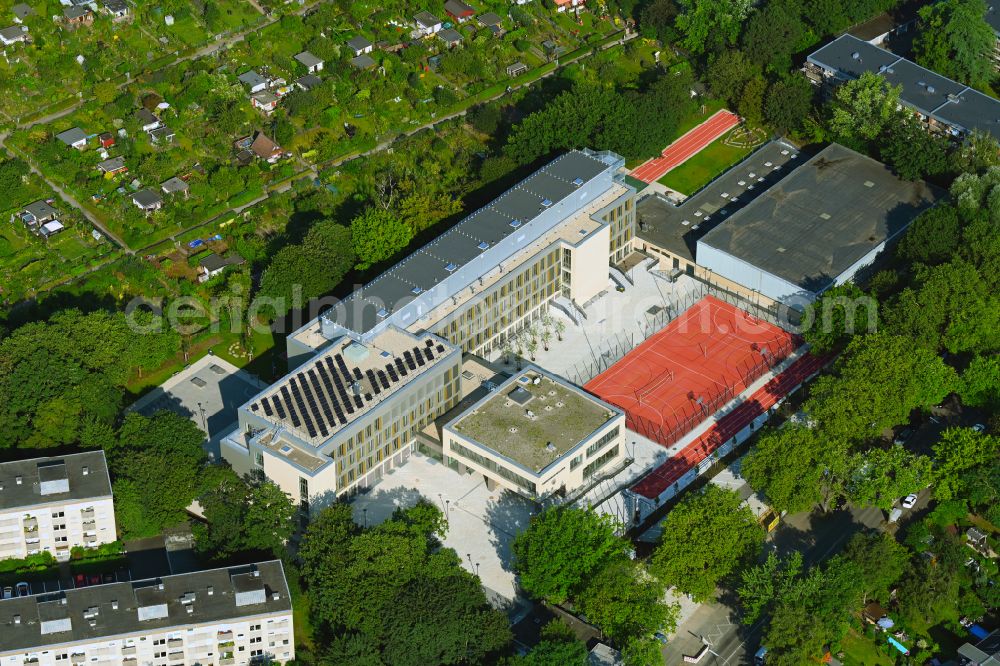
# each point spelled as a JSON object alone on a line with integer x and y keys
{"x": 955, "y": 40}
{"x": 705, "y": 538}
{"x": 377, "y": 235}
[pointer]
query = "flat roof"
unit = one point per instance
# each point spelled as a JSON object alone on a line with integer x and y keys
{"x": 561, "y": 415}
{"x": 103, "y": 611}
{"x": 949, "y": 102}
{"x": 677, "y": 228}
{"x": 822, "y": 218}
{"x": 468, "y": 243}
{"x": 82, "y": 476}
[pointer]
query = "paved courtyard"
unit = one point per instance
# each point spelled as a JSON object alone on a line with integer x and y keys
{"x": 482, "y": 524}
{"x": 616, "y": 321}
{"x": 209, "y": 391}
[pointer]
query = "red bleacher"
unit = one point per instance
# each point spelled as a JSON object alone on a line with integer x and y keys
{"x": 656, "y": 482}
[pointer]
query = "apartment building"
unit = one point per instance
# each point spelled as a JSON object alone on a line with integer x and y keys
{"x": 53, "y": 504}
{"x": 538, "y": 435}
{"x": 944, "y": 106}
{"x": 373, "y": 371}
{"x": 223, "y": 617}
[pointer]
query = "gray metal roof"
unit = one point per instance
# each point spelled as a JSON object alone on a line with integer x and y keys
{"x": 174, "y": 184}
{"x": 14, "y": 32}
{"x": 308, "y": 59}
{"x": 71, "y": 136}
{"x": 822, "y": 218}
{"x": 358, "y": 43}
{"x": 363, "y": 61}
{"x": 112, "y": 164}
{"x": 216, "y": 595}
{"x": 449, "y": 36}
{"x": 426, "y": 20}
{"x": 22, "y": 11}
{"x": 146, "y": 198}
{"x": 33, "y": 472}
{"x": 41, "y": 209}
{"x": 933, "y": 95}
{"x": 252, "y": 78}
{"x": 467, "y": 251}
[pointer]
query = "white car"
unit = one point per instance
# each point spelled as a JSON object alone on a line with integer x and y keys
{"x": 909, "y": 501}
{"x": 979, "y": 427}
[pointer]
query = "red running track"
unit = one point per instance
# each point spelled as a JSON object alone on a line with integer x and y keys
{"x": 691, "y": 143}
{"x": 688, "y": 370}
{"x": 660, "y": 479}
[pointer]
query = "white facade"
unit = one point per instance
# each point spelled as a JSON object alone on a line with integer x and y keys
{"x": 54, "y": 504}
{"x": 56, "y": 528}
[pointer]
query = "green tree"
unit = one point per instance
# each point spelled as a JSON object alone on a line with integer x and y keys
{"x": 711, "y": 24}
{"x": 933, "y": 237}
{"x": 861, "y": 109}
{"x": 763, "y": 584}
{"x": 912, "y": 151}
{"x": 562, "y": 549}
{"x": 157, "y": 464}
{"x": 255, "y": 518}
{"x": 728, "y": 73}
{"x": 955, "y": 40}
{"x": 626, "y": 602}
{"x": 376, "y": 235}
{"x": 658, "y": 19}
{"x": 705, "y": 538}
{"x": 788, "y": 103}
{"x": 751, "y": 102}
{"x": 981, "y": 383}
{"x": 841, "y": 313}
{"x": 308, "y": 269}
{"x": 788, "y": 466}
{"x": 881, "y": 560}
{"x": 879, "y": 380}
{"x": 812, "y": 612}
{"x": 558, "y": 647}
{"x": 881, "y": 476}
{"x": 643, "y": 651}
{"x": 773, "y": 34}
{"x": 959, "y": 451}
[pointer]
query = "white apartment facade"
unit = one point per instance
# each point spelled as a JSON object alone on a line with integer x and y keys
{"x": 221, "y": 617}
{"x": 54, "y": 504}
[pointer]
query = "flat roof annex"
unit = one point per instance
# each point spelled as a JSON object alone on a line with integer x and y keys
{"x": 822, "y": 218}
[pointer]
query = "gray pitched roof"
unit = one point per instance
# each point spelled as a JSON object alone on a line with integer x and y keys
{"x": 147, "y": 198}
{"x": 426, "y": 20}
{"x": 112, "y": 164}
{"x": 76, "y": 12}
{"x": 309, "y": 81}
{"x": 488, "y": 19}
{"x": 22, "y": 11}
{"x": 56, "y": 478}
{"x": 41, "y": 210}
{"x": 358, "y": 43}
{"x": 252, "y": 78}
{"x": 14, "y": 32}
{"x": 457, "y": 8}
{"x": 947, "y": 101}
{"x": 71, "y": 136}
{"x": 363, "y": 61}
{"x": 138, "y": 607}
{"x": 449, "y": 36}
{"x": 174, "y": 184}
{"x": 308, "y": 59}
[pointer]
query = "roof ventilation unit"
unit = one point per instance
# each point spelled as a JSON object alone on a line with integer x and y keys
{"x": 451, "y": 268}
{"x": 546, "y": 203}
{"x": 515, "y": 224}
{"x": 483, "y": 246}
{"x": 578, "y": 181}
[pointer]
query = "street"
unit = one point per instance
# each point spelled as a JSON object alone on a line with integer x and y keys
{"x": 817, "y": 536}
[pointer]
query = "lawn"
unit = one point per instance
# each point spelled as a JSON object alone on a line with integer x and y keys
{"x": 702, "y": 168}
{"x": 860, "y": 651}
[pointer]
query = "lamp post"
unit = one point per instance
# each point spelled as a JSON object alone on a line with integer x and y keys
{"x": 365, "y": 512}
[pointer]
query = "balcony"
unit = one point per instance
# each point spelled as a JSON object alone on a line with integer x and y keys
{"x": 224, "y": 636}
{"x": 226, "y": 661}
{"x": 129, "y": 650}
{"x": 175, "y": 643}
{"x": 30, "y": 524}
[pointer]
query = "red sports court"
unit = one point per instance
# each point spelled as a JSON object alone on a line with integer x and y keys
{"x": 684, "y": 373}
{"x": 673, "y": 470}
{"x": 691, "y": 143}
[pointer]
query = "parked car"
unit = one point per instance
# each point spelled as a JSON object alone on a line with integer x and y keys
{"x": 8, "y": 592}
{"x": 904, "y": 435}
{"x": 895, "y": 514}
{"x": 979, "y": 427}
{"x": 760, "y": 657}
{"x": 660, "y": 636}
{"x": 109, "y": 578}
{"x": 94, "y": 579}
{"x": 909, "y": 501}
{"x": 23, "y": 589}
{"x": 80, "y": 580}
